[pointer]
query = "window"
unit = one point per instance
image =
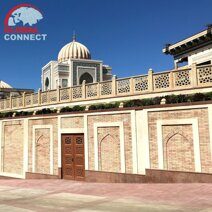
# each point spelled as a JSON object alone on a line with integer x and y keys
{"x": 64, "y": 83}
{"x": 47, "y": 83}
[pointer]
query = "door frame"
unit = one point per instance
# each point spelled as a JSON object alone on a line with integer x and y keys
{"x": 61, "y": 147}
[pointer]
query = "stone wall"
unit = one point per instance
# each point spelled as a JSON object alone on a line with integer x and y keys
{"x": 111, "y": 135}
{"x": 178, "y": 140}
{"x": 12, "y": 147}
{"x": 42, "y": 146}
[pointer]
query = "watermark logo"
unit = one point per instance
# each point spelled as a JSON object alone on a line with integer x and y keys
{"x": 21, "y": 24}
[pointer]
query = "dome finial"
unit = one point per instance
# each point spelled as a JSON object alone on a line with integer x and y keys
{"x": 74, "y": 36}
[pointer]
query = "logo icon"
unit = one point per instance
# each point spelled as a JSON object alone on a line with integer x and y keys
{"x": 26, "y": 15}
{"x": 21, "y": 23}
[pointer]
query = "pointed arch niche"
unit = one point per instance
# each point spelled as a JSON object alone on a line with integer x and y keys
{"x": 178, "y": 148}
{"x": 179, "y": 137}
{"x": 109, "y": 151}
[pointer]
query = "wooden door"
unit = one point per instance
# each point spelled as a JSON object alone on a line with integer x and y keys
{"x": 73, "y": 165}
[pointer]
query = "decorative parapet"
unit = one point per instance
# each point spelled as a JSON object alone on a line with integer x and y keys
{"x": 179, "y": 79}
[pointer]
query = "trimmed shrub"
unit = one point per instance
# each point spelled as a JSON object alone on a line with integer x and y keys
{"x": 208, "y": 96}
{"x": 172, "y": 99}
{"x": 6, "y": 115}
{"x": 72, "y": 109}
{"x": 104, "y": 106}
{"x": 45, "y": 111}
{"x": 197, "y": 97}
{"x": 23, "y": 113}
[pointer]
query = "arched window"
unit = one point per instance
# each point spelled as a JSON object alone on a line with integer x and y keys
{"x": 87, "y": 77}
{"x": 47, "y": 83}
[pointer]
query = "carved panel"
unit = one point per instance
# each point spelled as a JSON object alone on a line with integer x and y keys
{"x": 2, "y": 104}
{"x": 64, "y": 94}
{"x": 68, "y": 140}
{"x": 20, "y": 101}
{"x": 161, "y": 81}
{"x": 14, "y": 102}
{"x": 204, "y": 75}
{"x": 79, "y": 160}
{"x": 182, "y": 78}
{"x": 77, "y": 92}
{"x": 141, "y": 83}
{"x": 68, "y": 160}
{"x": 69, "y": 171}
{"x": 79, "y": 140}
{"x": 123, "y": 86}
{"x": 106, "y": 88}
{"x": 79, "y": 150}
{"x": 79, "y": 172}
{"x": 53, "y": 96}
{"x": 68, "y": 150}
{"x": 91, "y": 90}
{"x": 44, "y": 97}
{"x": 28, "y": 100}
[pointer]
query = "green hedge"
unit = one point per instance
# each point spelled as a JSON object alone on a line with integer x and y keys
{"x": 23, "y": 113}
{"x": 6, "y": 115}
{"x": 72, "y": 109}
{"x": 170, "y": 99}
{"x": 45, "y": 111}
{"x": 104, "y": 106}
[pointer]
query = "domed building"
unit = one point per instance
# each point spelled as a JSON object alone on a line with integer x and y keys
{"x": 7, "y": 90}
{"x": 73, "y": 66}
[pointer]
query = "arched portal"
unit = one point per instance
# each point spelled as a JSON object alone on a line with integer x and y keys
{"x": 87, "y": 77}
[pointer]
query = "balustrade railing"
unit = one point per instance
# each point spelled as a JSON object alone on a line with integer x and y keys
{"x": 179, "y": 79}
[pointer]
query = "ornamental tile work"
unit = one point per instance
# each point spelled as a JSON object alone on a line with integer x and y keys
{"x": 94, "y": 65}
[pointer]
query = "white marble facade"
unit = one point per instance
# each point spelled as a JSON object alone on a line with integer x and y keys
{"x": 74, "y": 65}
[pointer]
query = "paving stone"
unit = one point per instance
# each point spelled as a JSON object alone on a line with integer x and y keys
{"x": 61, "y": 195}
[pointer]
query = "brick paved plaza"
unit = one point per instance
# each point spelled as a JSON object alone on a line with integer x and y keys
{"x": 62, "y": 195}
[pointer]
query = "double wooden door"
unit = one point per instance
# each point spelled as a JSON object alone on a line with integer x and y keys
{"x": 73, "y": 162}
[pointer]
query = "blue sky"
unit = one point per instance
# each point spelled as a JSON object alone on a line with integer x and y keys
{"x": 126, "y": 34}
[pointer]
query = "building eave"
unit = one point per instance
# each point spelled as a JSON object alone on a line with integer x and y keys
{"x": 188, "y": 44}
